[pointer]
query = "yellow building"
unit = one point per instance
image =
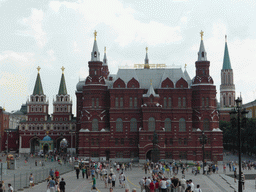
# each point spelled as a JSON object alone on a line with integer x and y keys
{"x": 251, "y": 107}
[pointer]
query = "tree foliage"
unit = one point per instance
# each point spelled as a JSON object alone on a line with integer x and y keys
{"x": 248, "y": 135}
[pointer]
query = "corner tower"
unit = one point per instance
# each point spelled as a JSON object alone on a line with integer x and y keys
{"x": 62, "y": 106}
{"x": 227, "y": 87}
{"x": 37, "y": 106}
{"x": 205, "y": 116}
{"x": 95, "y": 66}
{"x": 105, "y": 71}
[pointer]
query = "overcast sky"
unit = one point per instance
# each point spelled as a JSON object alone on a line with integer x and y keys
{"x": 52, "y": 34}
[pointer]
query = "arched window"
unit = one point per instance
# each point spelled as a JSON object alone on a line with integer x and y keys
{"x": 224, "y": 100}
{"x": 167, "y": 124}
{"x": 133, "y": 125}
{"x": 206, "y": 125}
{"x": 97, "y": 102}
{"x": 131, "y": 102}
{"x": 95, "y": 54}
{"x": 119, "y": 125}
{"x": 229, "y": 100}
{"x": 135, "y": 102}
{"x": 93, "y": 103}
{"x": 116, "y": 102}
{"x": 207, "y": 102}
{"x": 165, "y": 102}
{"x": 184, "y": 102}
{"x": 169, "y": 102}
{"x": 182, "y": 125}
{"x": 121, "y": 102}
{"x": 95, "y": 125}
{"x": 179, "y": 102}
{"x": 151, "y": 124}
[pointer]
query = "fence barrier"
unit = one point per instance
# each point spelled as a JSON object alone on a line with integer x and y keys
{"x": 21, "y": 180}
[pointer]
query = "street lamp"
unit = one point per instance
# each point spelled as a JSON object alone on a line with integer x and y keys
{"x": 203, "y": 140}
{"x": 239, "y": 113}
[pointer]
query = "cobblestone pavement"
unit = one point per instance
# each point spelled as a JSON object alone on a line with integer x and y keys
{"x": 209, "y": 183}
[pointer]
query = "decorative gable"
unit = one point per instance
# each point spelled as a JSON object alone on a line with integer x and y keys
{"x": 181, "y": 83}
{"x": 133, "y": 83}
{"x": 119, "y": 83}
{"x": 167, "y": 83}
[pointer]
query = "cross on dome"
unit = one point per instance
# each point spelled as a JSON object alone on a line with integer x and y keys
{"x": 95, "y": 34}
{"x": 202, "y": 34}
{"x": 62, "y": 68}
{"x": 38, "y": 69}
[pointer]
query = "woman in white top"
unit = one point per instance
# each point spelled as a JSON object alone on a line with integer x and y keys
{"x": 163, "y": 185}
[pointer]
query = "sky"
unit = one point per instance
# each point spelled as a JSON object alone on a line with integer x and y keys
{"x": 52, "y": 34}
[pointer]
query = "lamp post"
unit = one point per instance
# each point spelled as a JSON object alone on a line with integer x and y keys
{"x": 72, "y": 143}
{"x": 239, "y": 112}
{"x": 203, "y": 140}
{"x": 7, "y": 141}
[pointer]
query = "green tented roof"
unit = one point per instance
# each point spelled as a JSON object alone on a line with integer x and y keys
{"x": 38, "y": 89}
{"x": 226, "y": 60}
{"x": 63, "y": 88}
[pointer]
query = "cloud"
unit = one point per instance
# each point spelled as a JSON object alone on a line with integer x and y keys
{"x": 34, "y": 24}
{"x": 123, "y": 25}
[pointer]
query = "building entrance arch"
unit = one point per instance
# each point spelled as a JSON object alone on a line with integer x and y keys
{"x": 35, "y": 145}
{"x": 149, "y": 155}
{"x": 46, "y": 148}
{"x": 58, "y": 143}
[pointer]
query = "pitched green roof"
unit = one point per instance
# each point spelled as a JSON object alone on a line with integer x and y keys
{"x": 226, "y": 60}
{"x": 63, "y": 88}
{"x": 38, "y": 89}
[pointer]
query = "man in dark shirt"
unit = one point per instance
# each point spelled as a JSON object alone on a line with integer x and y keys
{"x": 77, "y": 172}
{"x": 51, "y": 173}
{"x": 62, "y": 185}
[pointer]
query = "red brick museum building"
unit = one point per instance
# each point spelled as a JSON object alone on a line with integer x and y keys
{"x": 117, "y": 114}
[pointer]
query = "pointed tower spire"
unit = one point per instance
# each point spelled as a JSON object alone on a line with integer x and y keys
{"x": 146, "y": 66}
{"x": 105, "y": 61}
{"x": 226, "y": 60}
{"x": 38, "y": 89}
{"x": 202, "y": 55}
{"x": 62, "y": 88}
{"x": 95, "y": 55}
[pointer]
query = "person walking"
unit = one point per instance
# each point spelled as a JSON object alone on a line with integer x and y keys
{"x": 142, "y": 184}
{"x": 113, "y": 180}
{"x": 51, "y": 173}
{"x": 243, "y": 179}
{"x": 163, "y": 185}
{"x": 198, "y": 189}
{"x": 77, "y": 172}
{"x": 235, "y": 175}
{"x": 57, "y": 174}
{"x": 83, "y": 171}
{"x": 10, "y": 188}
{"x": 51, "y": 185}
{"x": 94, "y": 183}
{"x": 62, "y": 185}
{"x": 31, "y": 180}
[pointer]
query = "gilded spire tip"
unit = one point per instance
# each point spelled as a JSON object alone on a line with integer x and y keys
{"x": 186, "y": 66}
{"x": 105, "y": 49}
{"x": 95, "y": 34}
{"x": 146, "y": 49}
{"x": 62, "y": 68}
{"x": 226, "y": 38}
{"x": 202, "y": 34}
{"x": 38, "y": 69}
{"x": 150, "y": 81}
